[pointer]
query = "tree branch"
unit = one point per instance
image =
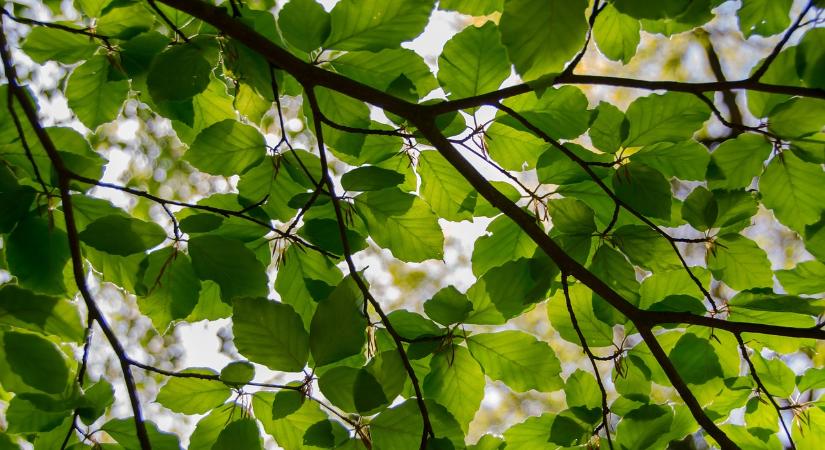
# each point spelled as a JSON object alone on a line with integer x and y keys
{"x": 616, "y": 200}
{"x": 74, "y": 242}
{"x": 590, "y": 356}
{"x": 762, "y": 387}
{"x": 766, "y": 64}
{"x": 427, "y": 430}
{"x": 682, "y": 388}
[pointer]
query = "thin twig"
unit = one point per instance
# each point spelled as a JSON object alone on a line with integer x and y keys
{"x": 168, "y": 21}
{"x": 766, "y": 63}
{"x": 58, "y": 26}
{"x": 590, "y": 356}
{"x": 762, "y": 387}
{"x": 591, "y": 23}
{"x": 342, "y": 229}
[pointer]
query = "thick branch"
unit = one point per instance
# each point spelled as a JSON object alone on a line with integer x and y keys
{"x": 309, "y": 73}
{"x": 684, "y": 391}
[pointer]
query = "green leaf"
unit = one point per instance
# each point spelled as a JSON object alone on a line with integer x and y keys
{"x": 213, "y": 105}
{"x": 193, "y": 395}
{"x": 472, "y": 7}
{"x": 36, "y": 360}
{"x": 735, "y": 209}
{"x": 179, "y": 73}
{"x": 695, "y": 359}
{"x": 402, "y": 223}
{"x": 571, "y": 216}
{"x": 581, "y": 390}
{"x": 765, "y": 300}
{"x": 399, "y": 427}
{"x": 810, "y": 59}
{"x": 456, "y": 382}
{"x": 368, "y": 389}
{"x": 304, "y": 279}
{"x": 448, "y": 193}
{"x": 508, "y": 290}
{"x": 172, "y": 288}
{"x": 644, "y": 427}
{"x": 353, "y": 390}
{"x": 671, "y": 117}
{"x": 609, "y": 128}
{"x": 238, "y": 373}
{"x": 612, "y": 268}
{"x": 616, "y": 34}
{"x": 227, "y": 148}
{"x": 644, "y": 10}
{"x": 448, "y": 306}
{"x": 376, "y": 24}
{"x": 383, "y": 69}
{"x": 92, "y": 8}
{"x": 91, "y": 95}
{"x": 36, "y": 254}
{"x": 473, "y": 62}
{"x": 531, "y": 434}
{"x": 735, "y": 162}
{"x": 556, "y": 167}
{"x": 326, "y": 234}
{"x": 781, "y": 71}
{"x": 124, "y": 20}
{"x": 46, "y": 44}
{"x": 560, "y": 112}
{"x": 518, "y": 359}
{"x": 245, "y": 277}
{"x": 119, "y": 235}
{"x": 541, "y": 36}
{"x": 338, "y": 328}
{"x": 370, "y": 178}
{"x": 646, "y": 248}
{"x": 506, "y": 242}
{"x": 14, "y": 202}
{"x": 123, "y": 431}
{"x": 97, "y": 398}
{"x": 806, "y": 278}
{"x": 304, "y": 24}
{"x": 700, "y": 209}
{"x": 288, "y": 431}
{"x": 686, "y": 160}
{"x": 240, "y": 434}
{"x": 410, "y": 325}
{"x": 775, "y": 374}
{"x": 597, "y": 333}
{"x": 24, "y": 417}
{"x": 287, "y": 402}
{"x": 797, "y": 117}
{"x": 789, "y": 187}
{"x": 210, "y": 427}
{"x": 513, "y": 149}
{"x": 643, "y": 189}
{"x": 739, "y": 262}
{"x": 325, "y": 434}
{"x": 764, "y": 17}
{"x": 22, "y": 308}
{"x": 270, "y": 333}
{"x": 813, "y": 378}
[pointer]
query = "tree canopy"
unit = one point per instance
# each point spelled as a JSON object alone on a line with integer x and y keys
{"x": 667, "y": 226}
